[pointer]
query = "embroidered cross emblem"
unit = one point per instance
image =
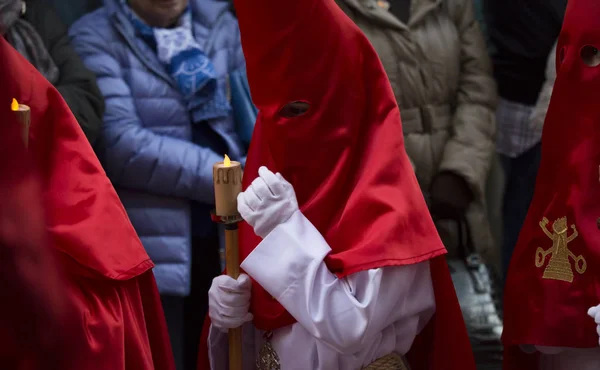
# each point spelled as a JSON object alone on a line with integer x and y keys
{"x": 559, "y": 267}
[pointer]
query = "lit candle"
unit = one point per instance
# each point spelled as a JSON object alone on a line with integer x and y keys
{"x": 24, "y": 117}
{"x": 227, "y": 178}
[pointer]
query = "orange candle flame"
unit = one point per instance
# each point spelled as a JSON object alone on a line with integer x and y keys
{"x": 14, "y": 106}
{"x": 227, "y": 161}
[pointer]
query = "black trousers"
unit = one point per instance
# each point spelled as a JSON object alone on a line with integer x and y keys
{"x": 185, "y": 315}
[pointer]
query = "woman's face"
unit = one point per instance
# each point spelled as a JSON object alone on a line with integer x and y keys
{"x": 159, "y": 13}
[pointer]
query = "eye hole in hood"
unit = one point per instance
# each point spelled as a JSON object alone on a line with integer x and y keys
{"x": 590, "y": 55}
{"x": 294, "y": 109}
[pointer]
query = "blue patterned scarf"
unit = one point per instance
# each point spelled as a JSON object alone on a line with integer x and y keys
{"x": 187, "y": 64}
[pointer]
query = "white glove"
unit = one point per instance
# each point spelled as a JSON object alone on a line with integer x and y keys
{"x": 229, "y": 302}
{"x": 594, "y": 313}
{"x": 268, "y": 202}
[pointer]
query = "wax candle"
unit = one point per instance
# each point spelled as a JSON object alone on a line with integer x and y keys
{"x": 24, "y": 117}
{"x": 227, "y": 178}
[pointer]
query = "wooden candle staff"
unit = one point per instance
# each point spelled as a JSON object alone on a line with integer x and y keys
{"x": 227, "y": 178}
{"x": 24, "y": 118}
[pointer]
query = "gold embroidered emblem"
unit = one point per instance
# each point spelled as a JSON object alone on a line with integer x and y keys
{"x": 267, "y": 357}
{"x": 559, "y": 267}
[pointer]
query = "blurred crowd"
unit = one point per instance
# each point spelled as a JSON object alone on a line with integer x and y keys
{"x": 158, "y": 87}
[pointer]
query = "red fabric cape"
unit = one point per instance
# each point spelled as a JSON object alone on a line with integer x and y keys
{"x": 32, "y": 294}
{"x": 542, "y": 307}
{"x": 109, "y": 282}
{"x": 88, "y": 221}
{"x": 345, "y": 157}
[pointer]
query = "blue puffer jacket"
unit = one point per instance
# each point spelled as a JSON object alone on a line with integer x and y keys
{"x": 146, "y": 145}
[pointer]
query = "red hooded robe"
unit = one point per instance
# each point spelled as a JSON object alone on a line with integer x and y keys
{"x": 32, "y": 294}
{"x": 116, "y": 320}
{"x": 345, "y": 158}
{"x": 554, "y": 275}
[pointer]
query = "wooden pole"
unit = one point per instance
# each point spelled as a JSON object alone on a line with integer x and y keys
{"x": 233, "y": 270}
{"x": 227, "y": 177}
{"x": 23, "y": 113}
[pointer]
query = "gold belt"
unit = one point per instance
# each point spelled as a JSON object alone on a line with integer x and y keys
{"x": 393, "y": 361}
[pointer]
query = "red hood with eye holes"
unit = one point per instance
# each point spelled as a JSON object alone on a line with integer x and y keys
{"x": 554, "y": 277}
{"x": 345, "y": 158}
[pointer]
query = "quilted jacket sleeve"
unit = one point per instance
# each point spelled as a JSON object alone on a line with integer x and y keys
{"x": 469, "y": 152}
{"x": 133, "y": 156}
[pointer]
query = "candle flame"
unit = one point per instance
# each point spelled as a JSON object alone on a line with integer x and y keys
{"x": 14, "y": 106}
{"x": 227, "y": 161}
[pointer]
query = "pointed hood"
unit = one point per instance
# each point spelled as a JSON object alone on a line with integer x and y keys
{"x": 328, "y": 121}
{"x": 555, "y": 268}
{"x": 273, "y": 34}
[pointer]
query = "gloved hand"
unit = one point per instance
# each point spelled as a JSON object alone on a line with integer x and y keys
{"x": 594, "y": 313}
{"x": 268, "y": 202}
{"x": 229, "y": 302}
{"x": 450, "y": 195}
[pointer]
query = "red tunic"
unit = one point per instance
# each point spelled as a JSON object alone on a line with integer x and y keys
{"x": 116, "y": 320}
{"x": 345, "y": 158}
{"x": 554, "y": 276}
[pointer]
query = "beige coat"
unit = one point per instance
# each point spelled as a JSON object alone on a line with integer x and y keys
{"x": 441, "y": 75}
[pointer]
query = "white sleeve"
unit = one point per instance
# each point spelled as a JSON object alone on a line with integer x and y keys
{"x": 342, "y": 313}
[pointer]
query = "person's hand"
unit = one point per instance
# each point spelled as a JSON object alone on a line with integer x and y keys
{"x": 594, "y": 313}
{"x": 268, "y": 202}
{"x": 229, "y": 302}
{"x": 450, "y": 195}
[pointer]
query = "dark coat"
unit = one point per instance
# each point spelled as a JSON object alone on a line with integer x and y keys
{"x": 76, "y": 83}
{"x": 70, "y": 11}
{"x": 522, "y": 33}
